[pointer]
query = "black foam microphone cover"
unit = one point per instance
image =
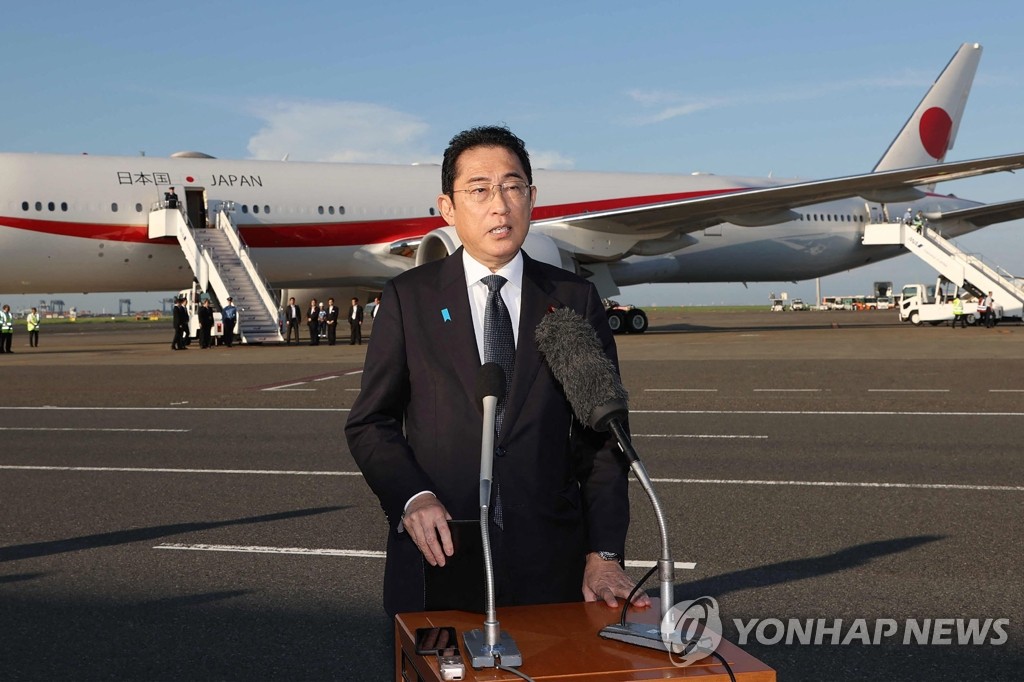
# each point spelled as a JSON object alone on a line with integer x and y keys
{"x": 490, "y": 381}
{"x": 588, "y": 377}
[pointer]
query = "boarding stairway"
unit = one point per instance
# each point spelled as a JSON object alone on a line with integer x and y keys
{"x": 962, "y": 269}
{"x": 221, "y": 262}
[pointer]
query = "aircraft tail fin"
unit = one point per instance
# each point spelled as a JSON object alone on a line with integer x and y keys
{"x": 931, "y": 129}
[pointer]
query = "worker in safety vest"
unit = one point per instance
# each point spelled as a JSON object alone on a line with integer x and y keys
{"x": 6, "y": 329}
{"x": 958, "y": 312}
{"x": 32, "y": 324}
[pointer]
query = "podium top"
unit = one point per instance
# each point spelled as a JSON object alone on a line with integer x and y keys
{"x": 561, "y": 642}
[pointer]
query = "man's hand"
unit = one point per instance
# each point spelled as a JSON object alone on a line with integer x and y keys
{"x": 426, "y": 522}
{"x": 605, "y": 580}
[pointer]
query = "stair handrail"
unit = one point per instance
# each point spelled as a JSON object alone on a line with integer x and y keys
{"x": 225, "y": 223}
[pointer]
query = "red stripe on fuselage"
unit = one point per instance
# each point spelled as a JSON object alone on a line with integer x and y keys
{"x": 355, "y": 233}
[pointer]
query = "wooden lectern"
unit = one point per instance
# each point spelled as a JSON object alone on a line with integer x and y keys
{"x": 560, "y": 642}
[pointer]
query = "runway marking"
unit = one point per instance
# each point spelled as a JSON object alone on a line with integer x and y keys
{"x": 360, "y": 553}
{"x": 686, "y": 565}
{"x": 334, "y": 376}
{"x": 682, "y": 390}
{"x": 846, "y": 484}
{"x": 288, "y": 387}
{"x": 54, "y": 408}
{"x": 835, "y": 413}
{"x": 692, "y": 435}
{"x": 908, "y": 390}
{"x": 161, "y": 470}
{"x": 788, "y": 390}
{"x": 43, "y": 428}
{"x": 1006, "y": 390}
{"x": 709, "y": 481}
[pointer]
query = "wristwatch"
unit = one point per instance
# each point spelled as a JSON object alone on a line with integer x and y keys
{"x": 610, "y": 556}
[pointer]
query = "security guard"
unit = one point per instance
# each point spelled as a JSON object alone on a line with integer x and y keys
{"x": 958, "y": 312}
{"x": 32, "y": 324}
{"x": 6, "y": 329}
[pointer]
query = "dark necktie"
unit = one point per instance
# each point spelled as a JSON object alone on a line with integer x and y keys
{"x": 499, "y": 347}
{"x": 499, "y": 341}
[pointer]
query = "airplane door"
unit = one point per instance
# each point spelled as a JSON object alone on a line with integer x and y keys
{"x": 195, "y": 205}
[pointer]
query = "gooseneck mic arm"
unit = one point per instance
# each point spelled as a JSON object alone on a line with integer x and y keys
{"x": 491, "y": 647}
{"x": 594, "y": 390}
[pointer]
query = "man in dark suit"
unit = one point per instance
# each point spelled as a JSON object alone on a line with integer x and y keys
{"x": 180, "y": 320}
{"x": 313, "y": 323}
{"x": 355, "y": 321}
{"x": 292, "y": 318}
{"x": 415, "y": 427}
{"x": 332, "y": 321}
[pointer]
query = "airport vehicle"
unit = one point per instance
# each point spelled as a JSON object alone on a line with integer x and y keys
{"x": 798, "y": 304}
{"x": 625, "y": 318}
{"x": 778, "y": 305}
{"x": 918, "y": 304}
{"x": 99, "y": 225}
{"x": 883, "y": 303}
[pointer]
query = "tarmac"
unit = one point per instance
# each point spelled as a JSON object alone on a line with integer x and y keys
{"x": 196, "y": 515}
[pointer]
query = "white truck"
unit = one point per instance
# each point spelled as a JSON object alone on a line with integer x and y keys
{"x": 919, "y": 304}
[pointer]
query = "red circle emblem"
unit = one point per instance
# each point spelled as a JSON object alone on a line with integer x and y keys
{"x": 936, "y": 127}
{"x": 189, "y": 178}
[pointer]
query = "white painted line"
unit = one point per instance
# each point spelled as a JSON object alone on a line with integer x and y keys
{"x": 353, "y": 372}
{"x": 682, "y": 390}
{"x": 158, "y": 470}
{"x": 834, "y": 413}
{"x": 687, "y": 565}
{"x": 845, "y": 484}
{"x": 41, "y": 428}
{"x": 787, "y": 390}
{"x": 54, "y": 408}
{"x": 692, "y": 435}
{"x": 908, "y": 390}
{"x": 1006, "y": 390}
{"x": 358, "y": 553}
{"x": 328, "y": 378}
{"x": 288, "y": 387}
{"x": 354, "y": 389}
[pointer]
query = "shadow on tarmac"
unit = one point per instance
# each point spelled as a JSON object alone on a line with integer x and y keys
{"x": 121, "y": 537}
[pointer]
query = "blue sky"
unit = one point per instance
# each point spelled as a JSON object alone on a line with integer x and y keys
{"x": 792, "y": 89}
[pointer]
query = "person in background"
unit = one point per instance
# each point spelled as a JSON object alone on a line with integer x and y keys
{"x": 180, "y": 325}
{"x": 205, "y": 324}
{"x": 958, "y": 311}
{"x": 230, "y": 316}
{"x": 332, "y": 322}
{"x": 313, "y": 323}
{"x": 6, "y": 329}
{"x": 32, "y": 324}
{"x": 376, "y": 308}
{"x": 292, "y": 318}
{"x": 355, "y": 322}
{"x": 170, "y": 198}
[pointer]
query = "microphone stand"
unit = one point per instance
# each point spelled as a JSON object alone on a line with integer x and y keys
{"x": 643, "y": 634}
{"x": 490, "y": 647}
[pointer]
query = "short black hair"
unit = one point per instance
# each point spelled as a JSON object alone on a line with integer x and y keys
{"x": 481, "y": 136}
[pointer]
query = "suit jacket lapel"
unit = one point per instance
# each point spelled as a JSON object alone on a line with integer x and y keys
{"x": 457, "y": 334}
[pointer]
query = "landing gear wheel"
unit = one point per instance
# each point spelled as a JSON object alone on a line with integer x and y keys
{"x": 636, "y": 321}
{"x": 616, "y": 321}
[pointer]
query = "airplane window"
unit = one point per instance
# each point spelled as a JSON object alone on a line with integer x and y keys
{"x": 24, "y": 206}
{"x": 39, "y": 206}
{"x": 341, "y": 210}
{"x": 255, "y": 208}
{"x": 320, "y": 210}
{"x": 138, "y": 208}
{"x": 431, "y": 210}
{"x": 330, "y": 209}
{"x": 64, "y": 206}
{"x": 266, "y": 209}
{"x": 113, "y": 207}
{"x": 51, "y": 206}
{"x": 245, "y": 208}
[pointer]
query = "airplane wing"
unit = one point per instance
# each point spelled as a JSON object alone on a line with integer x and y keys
{"x": 768, "y": 205}
{"x": 982, "y": 216}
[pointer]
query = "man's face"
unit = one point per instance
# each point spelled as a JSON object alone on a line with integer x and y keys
{"x": 492, "y": 232}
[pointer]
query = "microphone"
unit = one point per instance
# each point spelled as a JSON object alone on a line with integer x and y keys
{"x": 489, "y": 647}
{"x": 592, "y": 386}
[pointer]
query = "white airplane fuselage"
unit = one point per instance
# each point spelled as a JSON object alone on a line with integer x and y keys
{"x": 80, "y": 223}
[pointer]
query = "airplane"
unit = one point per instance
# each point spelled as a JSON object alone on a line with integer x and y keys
{"x": 79, "y": 222}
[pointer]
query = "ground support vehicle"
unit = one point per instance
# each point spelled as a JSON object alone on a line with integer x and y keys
{"x": 625, "y": 318}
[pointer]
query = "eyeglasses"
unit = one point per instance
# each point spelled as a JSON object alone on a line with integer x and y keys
{"x": 513, "y": 191}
